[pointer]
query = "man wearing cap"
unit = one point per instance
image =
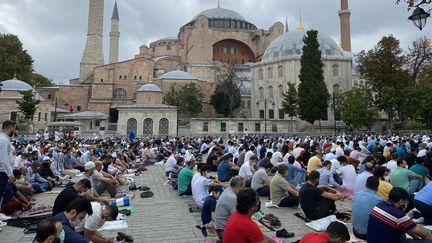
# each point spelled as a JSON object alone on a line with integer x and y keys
{"x": 91, "y": 194}
{"x": 9, "y": 128}
{"x": 46, "y": 172}
{"x": 101, "y": 213}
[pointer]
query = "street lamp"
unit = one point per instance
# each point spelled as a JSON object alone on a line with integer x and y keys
{"x": 419, "y": 16}
{"x": 265, "y": 111}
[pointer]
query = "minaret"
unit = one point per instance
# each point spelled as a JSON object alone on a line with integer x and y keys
{"x": 300, "y": 25}
{"x": 114, "y": 36}
{"x": 93, "y": 52}
{"x": 345, "y": 28}
{"x": 286, "y": 25}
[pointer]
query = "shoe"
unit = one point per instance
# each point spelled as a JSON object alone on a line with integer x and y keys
{"x": 122, "y": 236}
{"x": 3, "y": 217}
{"x": 144, "y": 188}
{"x": 283, "y": 233}
{"x": 2, "y": 224}
{"x": 126, "y": 212}
{"x": 146, "y": 194}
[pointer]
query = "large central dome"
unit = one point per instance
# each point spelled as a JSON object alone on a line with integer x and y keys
{"x": 220, "y": 13}
{"x": 291, "y": 44}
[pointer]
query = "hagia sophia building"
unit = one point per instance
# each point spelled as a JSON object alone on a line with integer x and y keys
{"x": 123, "y": 96}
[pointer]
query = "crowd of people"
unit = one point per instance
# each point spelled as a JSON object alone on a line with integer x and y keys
{"x": 386, "y": 177}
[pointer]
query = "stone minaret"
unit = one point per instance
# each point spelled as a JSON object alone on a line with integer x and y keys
{"x": 114, "y": 36}
{"x": 345, "y": 28}
{"x": 93, "y": 52}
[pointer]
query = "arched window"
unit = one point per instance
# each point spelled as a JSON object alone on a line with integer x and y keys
{"x": 281, "y": 91}
{"x": 335, "y": 70}
{"x": 131, "y": 125}
{"x": 148, "y": 127}
{"x": 119, "y": 93}
{"x": 261, "y": 93}
{"x": 270, "y": 92}
{"x": 336, "y": 89}
{"x": 260, "y": 74}
{"x": 163, "y": 127}
{"x": 280, "y": 71}
{"x": 270, "y": 72}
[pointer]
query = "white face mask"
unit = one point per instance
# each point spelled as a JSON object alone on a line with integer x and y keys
{"x": 387, "y": 178}
{"x": 76, "y": 223}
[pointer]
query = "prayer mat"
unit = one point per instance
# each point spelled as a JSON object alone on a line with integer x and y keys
{"x": 114, "y": 225}
{"x": 322, "y": 224}
{"x": 26, "y": 222}
{"x": 37, "y": 210}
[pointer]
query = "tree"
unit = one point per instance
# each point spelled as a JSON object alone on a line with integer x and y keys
{"x": 188, "y": 98}
{"x": 226, "y": 97}
{"x": 13, "y": 59}
{"x": 418, "y": 100}
{"x": 410, "y": 3}
{"x": 357, "y": 108}
{"x": 383, "y": 68}
{"x": 28, "y": 104}
{"x": 419, "y": 56}
{"x": 290, "y": 101}
{"x": 38, "y": 80}
{"x": 312, "y": 90}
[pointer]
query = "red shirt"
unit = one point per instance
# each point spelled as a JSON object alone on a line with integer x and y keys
{"x": 240, "y": 228}
{"x": 313, "y": 237}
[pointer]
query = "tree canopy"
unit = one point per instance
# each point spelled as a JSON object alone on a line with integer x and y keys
{"x": 28, "y": 104}
{"x": 14, "y": 59}
{"x": 312, "y": 90}
{"x": 188, "y": 98}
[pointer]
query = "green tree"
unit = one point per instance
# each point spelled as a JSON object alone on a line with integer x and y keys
{"x": 38, "y": 80}
{"x": 384, "y": 70}
{"x": 418, "y": 57}
{"x": 28, "y": 104}
{"x": 188, "y": 98}
{"x": 357, "y": 108}
{"x": 312, "y": 90}
{"x": 290, "y": 101}
{"x": 226, "y": 97}
{"x": 14, "y": 59}
{"x": 418, "y": 100}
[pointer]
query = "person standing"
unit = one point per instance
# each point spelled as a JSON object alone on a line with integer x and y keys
{"x": 9, "y": 129}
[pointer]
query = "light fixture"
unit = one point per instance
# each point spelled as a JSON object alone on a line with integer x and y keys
{"x": 419, "y": 17}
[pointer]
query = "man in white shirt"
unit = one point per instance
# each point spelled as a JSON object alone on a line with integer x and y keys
{"x": 247, "y": 169}
{"x": 200, "y": 186}
{"x": 276, "y": 158}
{"x": 347, "y": 173}
{"x": 360, "y": 181}
{"x": 171, "y": 161}
{"x": 249, "y": 153}
{"x": 20, "y": 160}
{"x": 392, "y": 164}
{"x": 101, "y": 213}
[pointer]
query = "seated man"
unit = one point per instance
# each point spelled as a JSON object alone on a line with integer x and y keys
{"x": 175, "y": 171}
{"x": 317, "y": 202}
{"x": 208, "y": 211}
{"x": 46, "y": 172}
{"x": 282, "y": 193}
{"x": 69, "y": 194}
{"x": 401, "y": 177}
{"x": 13, "y": 200}
{"x": 326, "y": 175}
{"x": 23, "y": 186}
{"x": 296, "y": 175}
{"x": 200, "y": 187}
{"x": 247, "y": 169}
{"x": 388, "y": 223}
{"x": 49, "y": 230}
{"x": 363, "y": 203}
{"x": 38, "y": 182}
{"x": 101, "y": 213}
{"x": 103, "y": 181}
{"x": 75, "y": 211}
{"x": 225, "y": 166}
{"x": 260, "y": 181}
{"x": 185, "y": 178}
{"x": 240, "y": 227}
{"x": 423, "y": 203}
{"x": 335, "y": 232}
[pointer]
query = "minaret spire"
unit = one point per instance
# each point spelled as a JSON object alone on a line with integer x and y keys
{"x": 345, "y": 28}
{"x": 218, "y": 4}
{"x": 286, "y": 25}
{"x": 114, "y": 36}
{"x": 93, "y": 51}
{"x": 300, "y": 25}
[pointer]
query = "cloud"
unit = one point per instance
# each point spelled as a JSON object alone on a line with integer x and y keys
{"x": 54, "y": 31}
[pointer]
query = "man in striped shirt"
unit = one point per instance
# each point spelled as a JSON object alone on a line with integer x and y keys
{"x": 388, "y": 222}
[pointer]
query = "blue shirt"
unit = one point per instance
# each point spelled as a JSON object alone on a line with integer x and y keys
{"x": 327, "y": 178}
{"x": 363, "y": 203}
{"x": 425, "y": 195}
{"x": 223, "y": 171}
{"x": 295, "y": 176}
{"x": 70, "y": 235}
{"x": 209, "y": 206}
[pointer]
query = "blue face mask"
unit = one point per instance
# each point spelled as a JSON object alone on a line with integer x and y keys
{"x": 62, "y": 236}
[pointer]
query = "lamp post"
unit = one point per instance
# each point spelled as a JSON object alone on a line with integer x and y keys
{"x": 265, "y": 111}
{"x": 55, "y": 110}
{"x": 419, "y": 15}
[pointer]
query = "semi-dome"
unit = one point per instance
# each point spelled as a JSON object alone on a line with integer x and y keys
{"x": 291, "y": 44}
{"x": 15, "y": 85}
{"x": 178, "y": 75}
{"x": 150, "y": 88}
{"x": 220, "y": 13}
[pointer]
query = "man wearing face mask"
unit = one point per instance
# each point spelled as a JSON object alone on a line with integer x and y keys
{"x": 388, "y": 223}
{"x": 75, "y": 212}
{"x": 9, "y": 129}
{"x": 49, "y": 230}
{"x": 101, "y": 213}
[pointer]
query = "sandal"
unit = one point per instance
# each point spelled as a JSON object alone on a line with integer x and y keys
{"x": 143, "y": 188}
{"x": 146, "y": 194}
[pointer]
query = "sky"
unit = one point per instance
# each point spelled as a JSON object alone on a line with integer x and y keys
{"x": 54, "y": 31}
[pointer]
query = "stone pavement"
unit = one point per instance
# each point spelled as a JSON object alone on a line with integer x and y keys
{"x": 165, "y": 217}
